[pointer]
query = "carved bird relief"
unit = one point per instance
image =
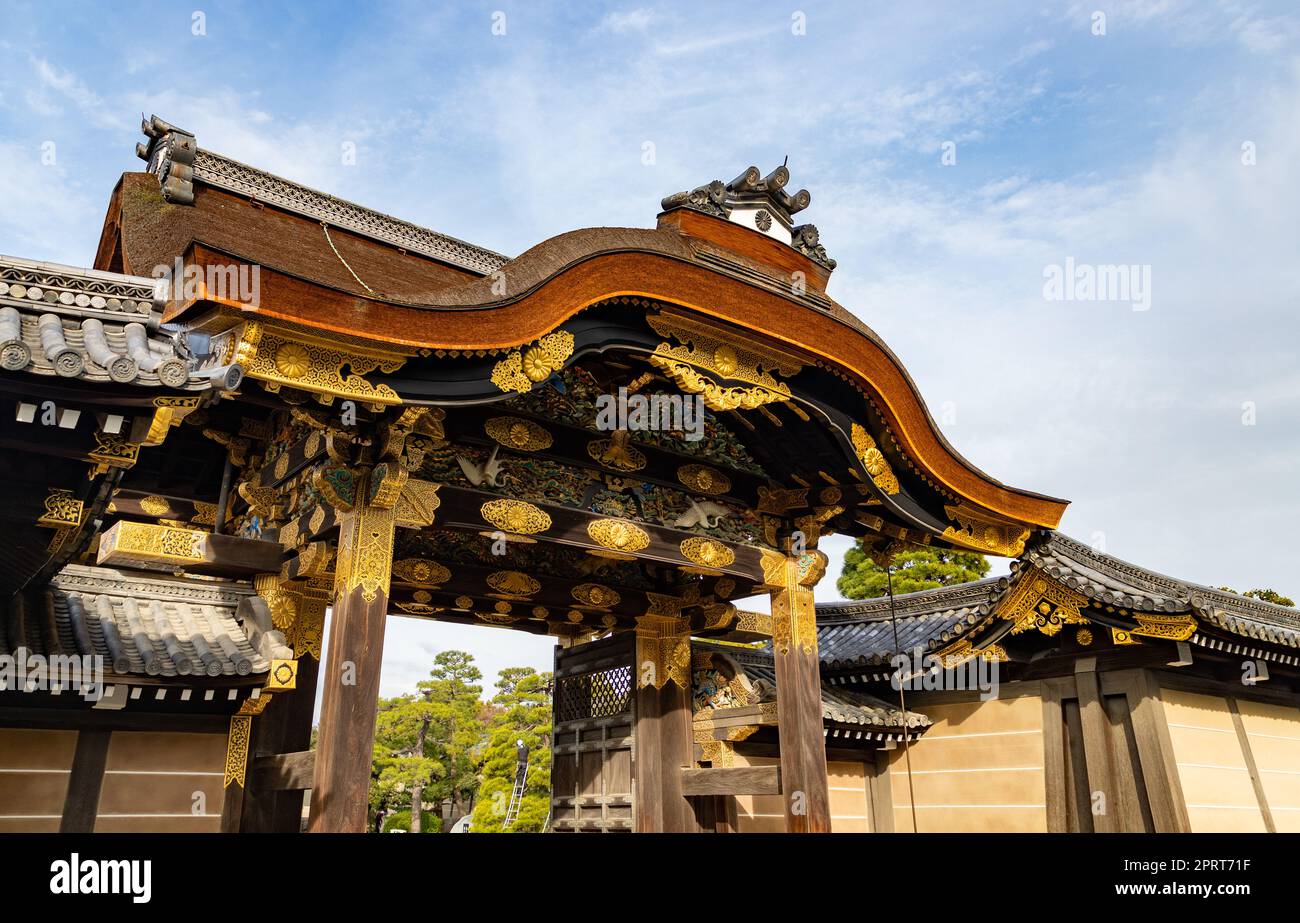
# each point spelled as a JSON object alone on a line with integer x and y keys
{"x": 488, "y": 473}
{"x": 706, "y": 513}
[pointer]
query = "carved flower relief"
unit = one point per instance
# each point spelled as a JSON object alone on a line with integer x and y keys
{"x": 724, "y": 360}
{"x": 517, "y": 433}
{"x": 292, "y": 360}
{"x": 706, "y": 552}
{"x": 537, "y": 364}
{"x": 704, "y": 479}
{"x": 595, "y": 595}
{"x": 618, "y": 535}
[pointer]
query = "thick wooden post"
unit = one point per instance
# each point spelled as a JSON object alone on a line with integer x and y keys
{"x": 662, "y": 739}
{"x": 284, "y": 728}
{"x": 340, "y": 791}
{"x": 804, "y": 786}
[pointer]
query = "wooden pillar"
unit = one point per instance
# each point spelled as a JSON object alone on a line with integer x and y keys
{"x": 340, "y": 791}
{"x": 81, "y": 803}
{"x": 1096, "y": 746}
{"x": 804, "y": 787}
{"x": 662, "y": 741}
{"x": 285, "y": 727}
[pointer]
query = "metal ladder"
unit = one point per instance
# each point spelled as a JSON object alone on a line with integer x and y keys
{"x": 516, "y": 796}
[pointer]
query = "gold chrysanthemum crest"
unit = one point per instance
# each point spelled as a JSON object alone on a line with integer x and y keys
{"x": 707, "y": 552}
{"x": 618, "y": 535}
{"x": 515, "y": 516}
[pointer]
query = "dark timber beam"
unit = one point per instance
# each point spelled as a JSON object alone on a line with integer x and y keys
{"x": 462, "y": 507}
{"x": 738, "y": 780}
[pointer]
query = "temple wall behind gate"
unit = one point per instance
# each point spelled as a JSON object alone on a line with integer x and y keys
{"x": 979, "y": 768}
{"x": 110, "y": 781}
{"x": 850, "y": 800}
{"x": 1237, "y": 759}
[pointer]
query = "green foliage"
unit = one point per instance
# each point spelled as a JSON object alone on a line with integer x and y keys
{"x": 1268, "y": 596}
{"x": 918, "y": 569}
{"x": 426, "y": 742}
{"x": 521, "y": 710}
{"x": 401, "y": 820}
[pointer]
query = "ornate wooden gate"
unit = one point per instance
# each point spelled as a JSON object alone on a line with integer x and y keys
{"x": 591, "y": 767}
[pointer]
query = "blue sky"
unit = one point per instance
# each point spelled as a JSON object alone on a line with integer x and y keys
{"x": 1124, "y": 148}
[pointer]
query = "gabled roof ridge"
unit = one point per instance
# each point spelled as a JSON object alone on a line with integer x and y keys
{"x": 868, "y": 610}
{"x": 1107, "y": 564}
{"x": 173, "y": 155}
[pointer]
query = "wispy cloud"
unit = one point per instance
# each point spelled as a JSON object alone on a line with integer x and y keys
{"x": 1122, "y": 148}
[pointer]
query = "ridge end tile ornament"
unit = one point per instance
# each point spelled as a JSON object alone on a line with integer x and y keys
{"x": 281, "y": 357}
{"x": 751, "y": 200}
{"x": 806, "y": 239}
{"x": 518, "y": 434}
{"x": 515, "y": 516}
{"x": 1039, "y": 602}
{"x": 524, "y": 367}
{"x": 873, "y": 460}
{"x": 984, "y": 534}
{"x": 709, "y": 199}
{"x": 703, "y": 354}
{"x": 707, "y": 552}
{"x": 619, "y": 536}
{"x": 704, "y": 479}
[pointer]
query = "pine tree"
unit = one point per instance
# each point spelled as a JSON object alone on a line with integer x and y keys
{"x": 425, "y": 743}
{"x": 1268, "y": 596}
{"x": 914, "y": 570}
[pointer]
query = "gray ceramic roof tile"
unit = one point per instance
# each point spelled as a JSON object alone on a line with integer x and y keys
{"x": 145, "y": 624}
